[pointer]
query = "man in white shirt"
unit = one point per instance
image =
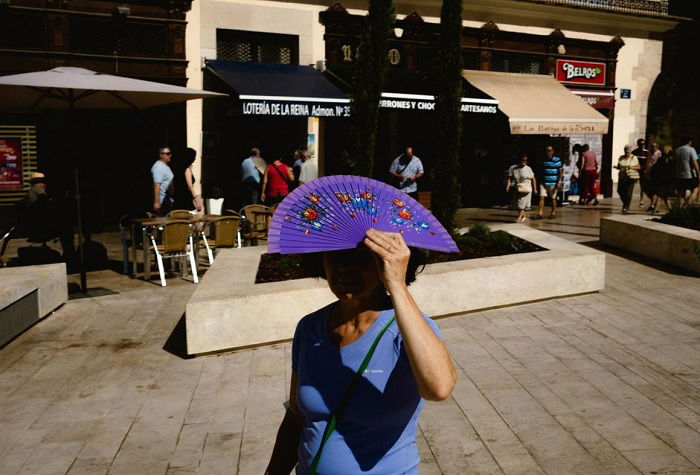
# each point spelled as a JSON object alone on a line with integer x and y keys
{"x": 308, "y": 169}
{"x": 408, "y": 169}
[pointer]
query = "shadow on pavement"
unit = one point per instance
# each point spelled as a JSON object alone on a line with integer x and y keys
{"x": 176, "y": 344}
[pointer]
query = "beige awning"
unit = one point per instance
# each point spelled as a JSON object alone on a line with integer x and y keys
{"x": 537, "y": 104}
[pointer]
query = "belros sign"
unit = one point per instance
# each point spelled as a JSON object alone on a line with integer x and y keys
{"x": 580, "y": 72}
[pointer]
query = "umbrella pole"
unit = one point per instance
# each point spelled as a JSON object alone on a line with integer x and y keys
{"x": 83, "y": 274}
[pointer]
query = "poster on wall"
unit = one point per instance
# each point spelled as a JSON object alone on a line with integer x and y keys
{"x": 311, "y": 145}
{"x": 10, "y": 164}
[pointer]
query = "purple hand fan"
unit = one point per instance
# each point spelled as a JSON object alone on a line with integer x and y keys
{"x": 334, "y": 212}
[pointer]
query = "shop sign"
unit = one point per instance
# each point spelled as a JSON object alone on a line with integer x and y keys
{"x": 10, "y": 164}
{"x": 580, "y": 72}
{"x": 602, "y": 100}
{"x": 295, "y": 109}
{"x": 554, "y": 128}
{"x": 407, "y": 103}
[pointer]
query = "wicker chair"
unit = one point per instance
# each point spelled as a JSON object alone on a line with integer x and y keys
{"x": 223, "y": 232}
{"x": 180, "y": 214}
{"x": 4, "y": 242}
{"x": 176, "y": 242}
{"x": 256, "y": 225}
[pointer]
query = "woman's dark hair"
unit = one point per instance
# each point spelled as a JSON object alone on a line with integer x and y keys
{"x": 189, "y": 156}
{"x": 313, "y": 264}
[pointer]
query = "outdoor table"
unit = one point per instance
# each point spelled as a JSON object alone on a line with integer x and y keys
{"x": 144, "y": 224}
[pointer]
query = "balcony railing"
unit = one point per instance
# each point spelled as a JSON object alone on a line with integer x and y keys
{"x": 649, "y": 8}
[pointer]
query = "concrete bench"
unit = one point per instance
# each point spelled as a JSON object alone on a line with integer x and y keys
{"x": 28, "y": 294}
{"x": 658, "y": 241}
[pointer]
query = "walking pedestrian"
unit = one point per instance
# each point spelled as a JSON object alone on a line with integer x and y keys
{"x": 569, "y": 177}
{"x": 250, "y": 177}
{"x": 521, "y": 181}
{"x": 642, "y": 155}
{"x": 276, "y": 181}
{"x": 185, "y": 196}
{"x": 650, "y": 187}
{"x": 628, "y": 164}
{"x": 308, "y": 170}
{"x": 408, "y": 168}
{"x": 687, "y": 170}
{"x": 590, "y": 170}
{"x": 661, "y": 175}
{"x": 162, "y": 182}
{"x": 549, "y": 179}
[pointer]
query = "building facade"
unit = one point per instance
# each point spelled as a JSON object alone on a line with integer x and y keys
{"x": 113, "y": 149}
{"x": 620, "y": 39}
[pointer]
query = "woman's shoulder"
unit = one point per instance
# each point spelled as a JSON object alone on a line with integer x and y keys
{"x": 314, "y": 321}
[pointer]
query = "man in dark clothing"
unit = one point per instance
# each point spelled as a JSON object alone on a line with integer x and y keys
{"x": 642, "y": 155}
{"x": 41, "y": 220}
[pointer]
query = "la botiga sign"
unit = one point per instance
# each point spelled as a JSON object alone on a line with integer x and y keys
{"x": 581, "y": 72}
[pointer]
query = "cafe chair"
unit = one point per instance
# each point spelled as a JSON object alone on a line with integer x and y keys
{"x": 180, "y": 214}
{"x": 257, "y": 222}
{"x": 223, "y": 232}
{"x": 177, "y": 242}
{"x": 230, "y": 212}
{"x": 4, "y": 245}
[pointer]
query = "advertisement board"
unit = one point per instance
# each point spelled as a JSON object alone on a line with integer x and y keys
{"x": 10, "y": 164}
{"x": 580, "y": 72}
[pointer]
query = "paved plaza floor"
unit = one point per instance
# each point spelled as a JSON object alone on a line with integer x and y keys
{"x": 599, "y": 383}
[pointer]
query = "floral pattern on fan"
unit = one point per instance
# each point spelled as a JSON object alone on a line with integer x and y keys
{"x": 335, "y": 212}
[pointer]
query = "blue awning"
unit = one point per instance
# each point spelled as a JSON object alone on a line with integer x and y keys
{"x": 281, "y": 89}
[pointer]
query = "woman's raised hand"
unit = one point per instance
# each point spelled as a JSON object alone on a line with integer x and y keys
{"x": 391, "y": 255}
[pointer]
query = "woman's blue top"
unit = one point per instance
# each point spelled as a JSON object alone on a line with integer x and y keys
{"x": 377, "y": 433}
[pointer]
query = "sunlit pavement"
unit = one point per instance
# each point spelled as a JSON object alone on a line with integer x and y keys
{"x": 599, "y": 383}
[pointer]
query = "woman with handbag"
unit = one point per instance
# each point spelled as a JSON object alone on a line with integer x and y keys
{"x": 523, "y": 179}
{"x": 276, "y": 181}
{"x": 628, "y": 176}
{"x": 361, "y": 367}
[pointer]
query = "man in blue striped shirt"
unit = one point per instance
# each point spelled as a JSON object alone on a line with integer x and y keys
{"x": 550, "y": 181}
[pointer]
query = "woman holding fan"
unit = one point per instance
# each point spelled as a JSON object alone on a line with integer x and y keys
{"x": 361, "y": 365}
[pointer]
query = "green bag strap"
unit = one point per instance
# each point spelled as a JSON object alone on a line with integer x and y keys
{"x": 330, "y": 427}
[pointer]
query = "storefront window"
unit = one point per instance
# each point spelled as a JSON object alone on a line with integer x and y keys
{"x": 517, "y": 63}
{"x": 269, "y": 48}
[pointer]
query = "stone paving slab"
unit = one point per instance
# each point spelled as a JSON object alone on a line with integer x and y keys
{"x": 600, "y": 383}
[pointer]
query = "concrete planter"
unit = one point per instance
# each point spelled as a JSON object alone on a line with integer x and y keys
{"x": 658, "y": 241}
{"x": 229, "y": 311}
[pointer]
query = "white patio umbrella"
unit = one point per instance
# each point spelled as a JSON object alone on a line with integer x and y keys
{"x": 78, "y": 88}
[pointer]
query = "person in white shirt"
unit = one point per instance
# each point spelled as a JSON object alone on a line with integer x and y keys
{"x": 308, "y": 169}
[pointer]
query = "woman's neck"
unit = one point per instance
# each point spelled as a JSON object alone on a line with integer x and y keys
{"x": 359, "y": 312}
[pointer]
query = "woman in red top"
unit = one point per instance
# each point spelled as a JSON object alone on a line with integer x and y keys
{"x": 276, "y": 182}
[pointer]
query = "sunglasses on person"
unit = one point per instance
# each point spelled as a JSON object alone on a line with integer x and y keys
{"x": 166, "y": 153}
